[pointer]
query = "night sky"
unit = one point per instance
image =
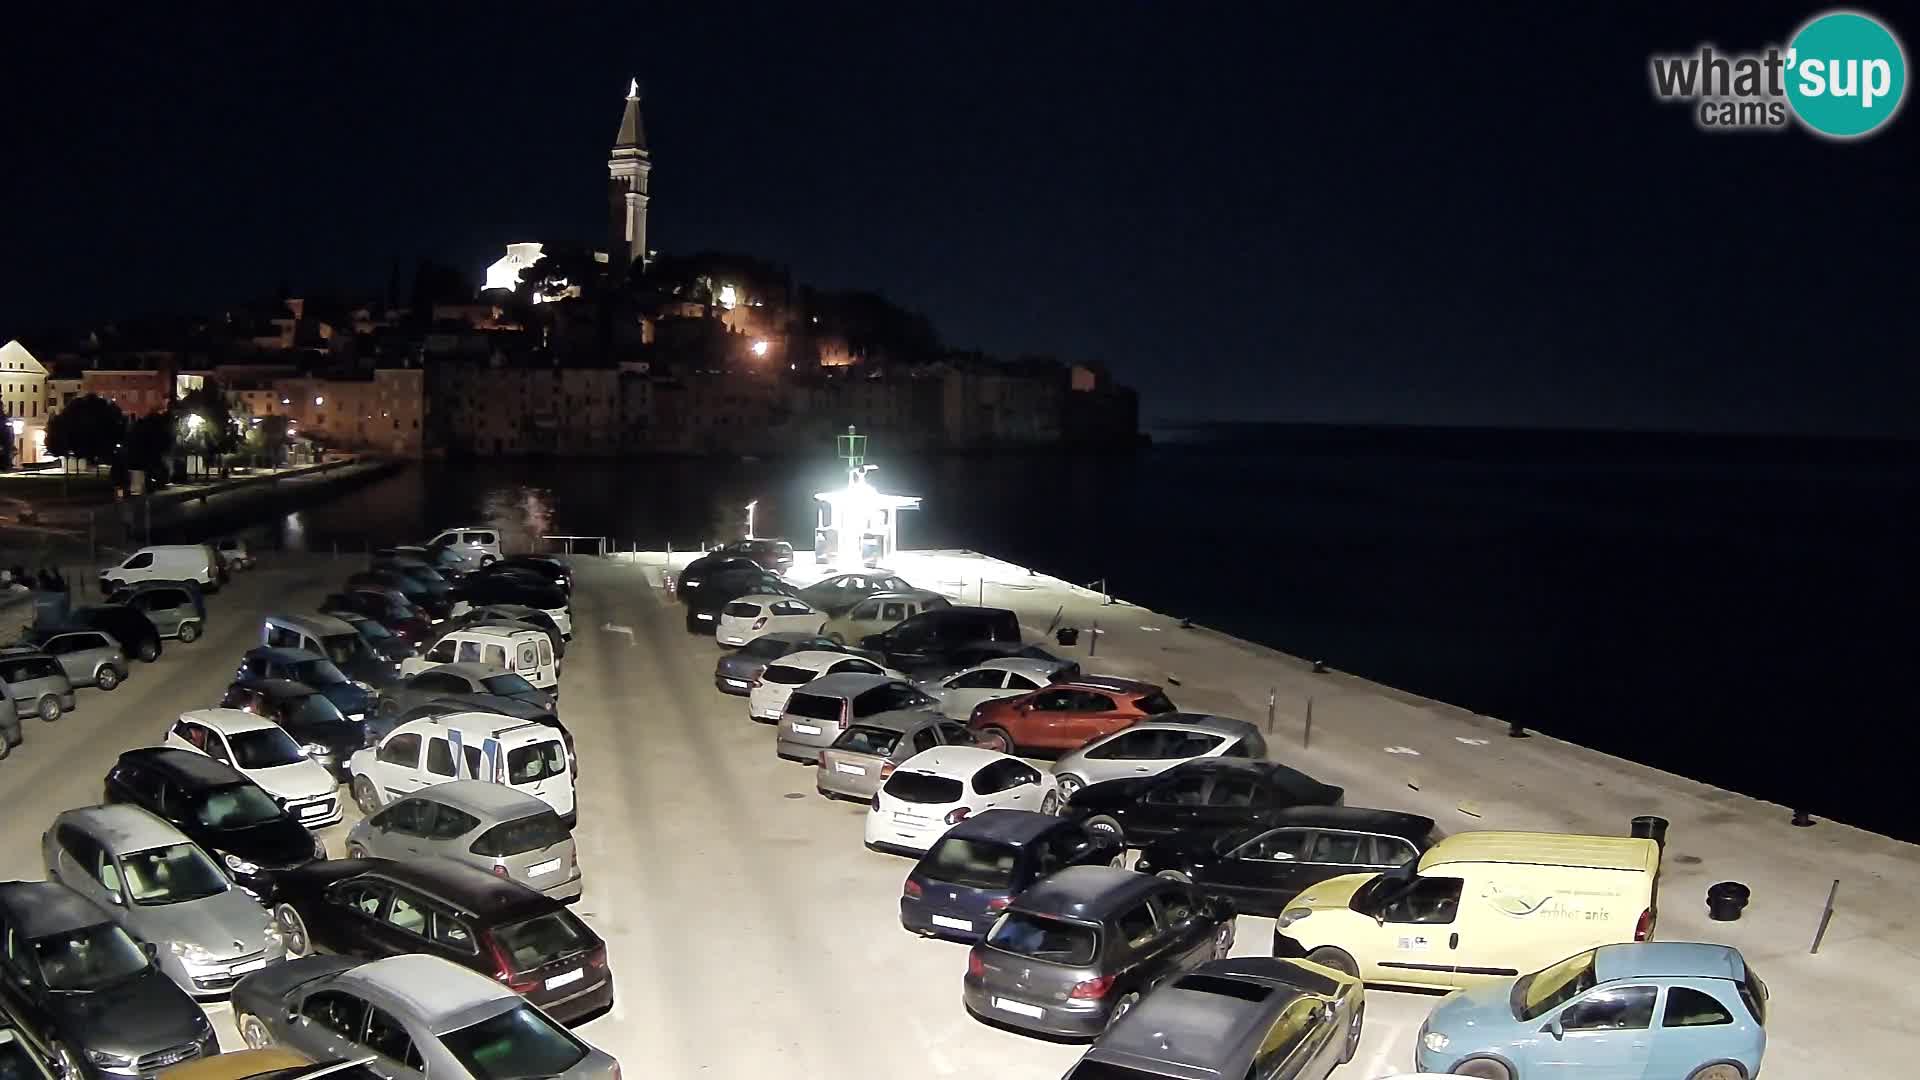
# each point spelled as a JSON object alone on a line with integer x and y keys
{"x": 1473, "y": 215}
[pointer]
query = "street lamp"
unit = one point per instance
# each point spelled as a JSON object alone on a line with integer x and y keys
{"x": 759, "y": 348}
{"x": 750, "y": 507}
{"x": 319, "y": 401}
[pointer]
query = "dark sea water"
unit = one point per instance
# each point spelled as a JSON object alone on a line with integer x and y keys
{"x": 1740, "y": 611}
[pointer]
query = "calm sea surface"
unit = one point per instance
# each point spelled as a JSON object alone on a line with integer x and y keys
{"x": 1745, "y": 616}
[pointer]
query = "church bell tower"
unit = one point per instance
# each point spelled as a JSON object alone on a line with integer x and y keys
{"x": 627, "y": 170}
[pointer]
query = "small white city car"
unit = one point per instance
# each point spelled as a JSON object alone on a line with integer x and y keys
{"x": 525, "y": 756}
{"x": 936, "y": 789}
{"x": 264, "y": 753}
{"x": 747, "y": 618}
{"x": 767, "y": 700}
{"x": 959, "y": 694}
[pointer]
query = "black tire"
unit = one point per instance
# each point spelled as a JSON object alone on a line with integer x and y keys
{"x": 1180, "y": 876}
{"x": 1106, "y": 826}
{"x": 994, "y": 738}
{"x": 1337, "y": 959}
{"x": 189, "y": 633}
{"x": 252, "y": 1031}
{"x": 1050, "y": 805}
{"x": 1719, "y": 1070}
{"x": 106, "y": 678}
{"x": 47, "y": 708}
{"x": 1223, "y": 940}
{"x": 6, "y": 747}
{"x": 293, "y": 929}
{"x": 1353, "y": 1034}
{"x": 365, "y": 796}
{"x": 149, "y": 651}
{"x": 1122, "y": 1007}
{"x": 1484, "y": 1069}
{"x": 836, "y": 639}
{"x": 486, "y": 560}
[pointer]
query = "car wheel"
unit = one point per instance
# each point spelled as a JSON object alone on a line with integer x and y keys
{"x": 1719, "y": 1070}
{"x": 66, "y": 1063}
{"x": 1070, "y": 785}
{"x": 6, "y": 747}
{"x": 1353, "y": 1035}
{"x": 293, "y": 930}
{"x": 355, "y": 851}
{"x": 365, "y": 796}
{"x": 189, "y": 632}
{"x": 106, "y": 678}
{"x": 1484, "y": 1068}
{"x": 149, "y": 651}
{"x": 253, "y": 1032}
{"x": 1175, "y": 875}
{"x": 1050, "y": 805}
{"x": 48, "y": 708}
{"x": 1223, "y": 940}
{"x": 1122, "y": 1007}
{"x": 1337, "y": 959}
{"x": 995, "y": 739}
{"x": 836, "y": 638}
{"x": 1105, "y": 826}
{"x": 486, "y": 560}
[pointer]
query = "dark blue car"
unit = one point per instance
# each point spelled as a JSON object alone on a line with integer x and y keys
{"x": 353, "y": 698}
{"x": 971, "y": 873}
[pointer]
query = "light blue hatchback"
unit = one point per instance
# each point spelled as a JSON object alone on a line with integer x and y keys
{"x": 1641, "y": 1011}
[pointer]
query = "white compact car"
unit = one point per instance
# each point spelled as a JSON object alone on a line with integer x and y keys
{"x": 264, "y": 753}
{"x": 1011, "y": 676}
{"x": 767, "y": 701}
{"x": 765, "y": 613}
{"x": 936, "y": 789}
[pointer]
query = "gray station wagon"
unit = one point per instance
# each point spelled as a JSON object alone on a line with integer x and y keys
{"x": 89, "y": 657}
{"x": 819, "y": 711}
{"x": 869, "y": 751}
{"x": 35, "y": 683}
{"x": 485, "y": 825}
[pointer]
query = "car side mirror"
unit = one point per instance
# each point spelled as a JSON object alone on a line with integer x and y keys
{"x": 1554, "y": 1029}
{"x": 1380, "y": 917}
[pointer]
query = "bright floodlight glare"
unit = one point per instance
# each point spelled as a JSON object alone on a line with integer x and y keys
{"x": 195, "y": 421}
{"x": 18, "y": 425}
{"x": 286, "y": 401}
{"x": 759, "y": 348}
{"x": 319, "y": 401}
{"x": 728, "y": 296}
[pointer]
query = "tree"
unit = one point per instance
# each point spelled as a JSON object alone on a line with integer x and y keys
{"x": 90, "y": 427}
{"x": 550, "y": 277}
{"x": 203, "y": 423}
{"x": 149, "y": 443}
{"x": 267, "y": 439}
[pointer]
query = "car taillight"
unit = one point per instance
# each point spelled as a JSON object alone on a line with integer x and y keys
{"x": 976, "y": 967}
{"x": 911, "y": 890}
{"x": 957, "y": 815}
{"x": 760, "y": 622}
{"x": 759, "y": 680}
{"x": 1644, "y": 928}
{"x": 597, "y": 959}
{"x": 886, "y": 769}
{"x": 503, "y": 970}
{"x": 845, "y": 708}
{"x": 999, "y": 903}
{"x": 1092, "y": 989}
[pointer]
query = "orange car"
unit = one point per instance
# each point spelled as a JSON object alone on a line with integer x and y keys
{"x": 1067, "y": 715}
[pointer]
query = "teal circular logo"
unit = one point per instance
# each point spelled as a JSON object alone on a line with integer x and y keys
{"x": 1846, "y": 74}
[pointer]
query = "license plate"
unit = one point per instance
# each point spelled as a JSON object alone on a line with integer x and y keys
{"x": 559, "y": 981}
{"x": 251, "y": 965}
{"x": 857, "y": 770}
{"x": 737, "y": 682}
{"x": 317, "y": 810}
{"x": 547, "y": 867}
{"x": 703, "y": 616}
{"x": 952, "y": 924}
{"x": 806, "y": 729}
{"x": 1020, "y": 1007}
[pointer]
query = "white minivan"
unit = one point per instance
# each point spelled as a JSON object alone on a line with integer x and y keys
{"x": 163, "y": 562}
{"x": 525, "y": 756}
{"x": 476, "y": 545}
{"x": 527, "y": 653}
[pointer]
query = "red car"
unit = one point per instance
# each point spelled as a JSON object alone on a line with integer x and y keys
{"x": 1067, "y": 715}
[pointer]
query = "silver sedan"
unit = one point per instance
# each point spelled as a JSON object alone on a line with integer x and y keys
{"x": 1154, "y": 746}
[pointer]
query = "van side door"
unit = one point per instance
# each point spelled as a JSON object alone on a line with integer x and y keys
{"x": 1420, "y": 937}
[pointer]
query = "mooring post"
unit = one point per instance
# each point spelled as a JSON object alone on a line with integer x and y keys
{"x": 983, "y": 592}
{"x": 1272, "y": 696}
{"x": 1306, "y": 736}
{"x": 1826, "y": 917}
{"x": 1093, "y": 645}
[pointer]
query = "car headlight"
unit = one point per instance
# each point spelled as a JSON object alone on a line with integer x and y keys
{"x": 109, "y": 1061}
{"x": 1290, "y": 916}
{"x": 191, "y": 953}
{"x": 363, "y": 687}
{"x": 1435, "y": 1041}
{"x": 314, "y": 749}
{"x": 239, "y": 865}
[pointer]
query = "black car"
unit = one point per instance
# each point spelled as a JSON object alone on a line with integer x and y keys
{"x": 88, "y": 995}
{"x": 228, "y": 815}
{"x": 313, "y": 720}
{"x": 374, "y": 908}
{"x": 385, "y": 644}
{"x": 836, "y": 595}
{"x": 21, "y": 1059}
{"x": 519, "y": 588}
{"x": 133, "y": 630}
{"x": 536, "y": 567}
{"x": 1209, "y": 796}
{"x": 735, "y": 671}
{"x": 1262, "y": 867}
{"x": 969, "y": 875}
{"x": 437, "y": 604}
{"x": 491, "y": 703}
{"x": 700, "y": 570}
{"x": 386, "y": 606}
{"x": 774, "y": 555}
{"x": 444, "y": 680}
{"x": 935, "y": 641}
{"x": 704, "y": 603}
{"x": 1081, "y": 948}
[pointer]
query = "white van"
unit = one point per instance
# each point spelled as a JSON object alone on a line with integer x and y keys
{"x": 527, "y": 653}
{"x": 477, "y": 545}
{"x": 525, "y": 756}
{"x": 1478, "y": 906}
{"x": 163, "y": 562}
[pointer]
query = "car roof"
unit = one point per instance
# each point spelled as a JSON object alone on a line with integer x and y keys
{"x": 1004, "y": 824}
{"x": 903, "y": 594}
{"x": 39, "y": 908}
{"x": 1546, "y": 849}
{"x": 843, "y": 684}
{"x": 472, "y": 669}
{"x": 230, "y": 721}
{"x": 900, "y": 721}
{"x": 497, "y": 801}
{"x": 952, "y": 761}
{"x": 815, "y": 659}
{"x": 320, "y": 624}
{"x": 240, "y": 1064}
{"x": 1108, "y": 683}
{"x": 497, "y": 723}
{"x": 469, "y": 888}
{"x": 278, "y": 688}
{"x": 1210, "y": 1014}
{"x": 431, "y": 988}
{"x": 1025, "y": 665}
{"x": 185, "y": 765}
{"x": 763, "y": 598}
{"x": 491, "y": 703}
{"x": 122, "y": 827}
{"x": 1668, "y": 959}
{"x": 1411, "y": 827}
{"x": 1193, "y": 721}
{"x": 1086, "y": 892}
{"x": 284, "y": 654}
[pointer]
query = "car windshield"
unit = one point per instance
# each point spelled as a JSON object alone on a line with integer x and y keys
{"x": 740, "y": 609}
{"x": 1537, "y": 994}
{"x": 14, "y": 1062}
{"x": 814, "y": 707}
{"x": 1041, "y": 938}
{"x": 90, "y": 958}
{"x": 764, "y": 648}
{"x": 508, "y": 685}
{"x": 173, "y": 874}
{"x": 517, "y": 837}
{"x": 531, "y": 764}
{"x": 1155, "y": 704}
{"x": 318, "y": 674}
{"x": 341, "y": 648}
{"x": 371, "y": 630}
{"x": 264, "y": 748}
{"x": 787, "y": 675}
{"x": 919, "y": 787}
{"x": 238, "y": 806}
{"x": 316, "y": 709}
{"x": 514, "y": 1045}
{"x": 976, "y": 864}
{"x": 541, "y": 939}
{"x": 861, "y": 739}
{"x": 1106, "y": 1070}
